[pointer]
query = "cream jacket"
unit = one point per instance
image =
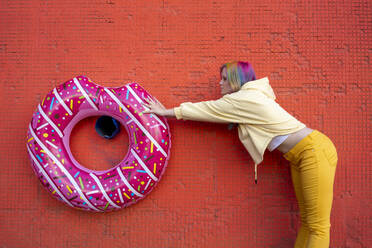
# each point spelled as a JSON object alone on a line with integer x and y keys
{"x": 253, "y": 107}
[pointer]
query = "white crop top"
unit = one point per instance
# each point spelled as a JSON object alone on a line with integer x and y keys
{"x": 276, "y": 141}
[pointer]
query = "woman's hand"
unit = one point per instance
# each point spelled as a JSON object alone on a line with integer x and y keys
{"x": 154, "y": 107}
{"x": 157, "y": 108}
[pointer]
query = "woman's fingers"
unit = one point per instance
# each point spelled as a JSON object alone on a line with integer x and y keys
{"x": 156, "y": 101}
{"x": 150, "y": 100}
{"x": 153, "y": 105}
{"x": 161, "y": 105}
{"x": 145, "y": 100}
{"x": 147, "y": 107}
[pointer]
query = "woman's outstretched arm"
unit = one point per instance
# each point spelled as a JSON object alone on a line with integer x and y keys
{"x": 219, "y": 111}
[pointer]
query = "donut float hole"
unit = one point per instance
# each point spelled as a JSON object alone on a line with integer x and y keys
{"x": 107, "y": 127}
{"x": 94, "y": 152}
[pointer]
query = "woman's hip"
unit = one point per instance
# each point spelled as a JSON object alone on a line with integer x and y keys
{"x": 314, "y": 146}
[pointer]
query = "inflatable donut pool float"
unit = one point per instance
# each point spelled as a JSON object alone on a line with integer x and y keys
{"x": 70, "y": 182}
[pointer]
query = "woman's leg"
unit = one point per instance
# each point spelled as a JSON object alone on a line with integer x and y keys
{"x": 303, "y": 232}
{"x": 316, "y": 175}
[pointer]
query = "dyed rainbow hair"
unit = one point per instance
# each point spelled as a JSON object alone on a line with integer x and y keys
{"x": 238, "y": 73}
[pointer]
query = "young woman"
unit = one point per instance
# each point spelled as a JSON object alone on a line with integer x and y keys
{"x": 264, "y": 124}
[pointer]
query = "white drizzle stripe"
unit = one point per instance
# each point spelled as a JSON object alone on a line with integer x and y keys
{"x": 60, "y": 100}
{"x": 45, "y": 124}
{"x": 143, "y": 165}
{"x": 120, "y": 195}
{"x": 85, "y": 94}
{"x": 48, "y": 178}
{"x": 103, "y": 190}
{"x": 62, "y": 168}
{"x": 127, "y": 183}
{"x": 135, "y": 95}
{"x": 140, "y": 101}
{"x": 161, "y": 123}
{"x": 155, "y": 126}
{"x": 137, "y": 122}
{"x": 147, "y": 185}
{"x": 51, "y": 144}
{"x": 49, "y": 121}
{"x": 92, "y": 192}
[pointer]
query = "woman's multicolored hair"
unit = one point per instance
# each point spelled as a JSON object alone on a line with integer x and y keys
{"x": 238, "y": 73}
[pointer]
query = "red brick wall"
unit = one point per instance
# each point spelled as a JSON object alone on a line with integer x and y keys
{"x": 317, "y": 55}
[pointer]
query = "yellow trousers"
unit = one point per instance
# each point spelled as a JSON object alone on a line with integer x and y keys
{"x": 313, "y": 164}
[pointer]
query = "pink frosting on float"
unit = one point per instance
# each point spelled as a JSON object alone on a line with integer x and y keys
{"x": 101, "y": 191}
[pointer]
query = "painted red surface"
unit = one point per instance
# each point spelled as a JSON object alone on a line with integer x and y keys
{"x": 317, "y": 55}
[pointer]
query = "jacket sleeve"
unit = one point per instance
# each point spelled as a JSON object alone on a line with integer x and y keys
{"x": 218, "y": 111}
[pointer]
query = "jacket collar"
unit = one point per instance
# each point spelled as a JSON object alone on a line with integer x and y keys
{"x": 262, "y": 85}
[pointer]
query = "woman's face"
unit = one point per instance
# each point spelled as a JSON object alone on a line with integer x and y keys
{"x": 225, "y": 85}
